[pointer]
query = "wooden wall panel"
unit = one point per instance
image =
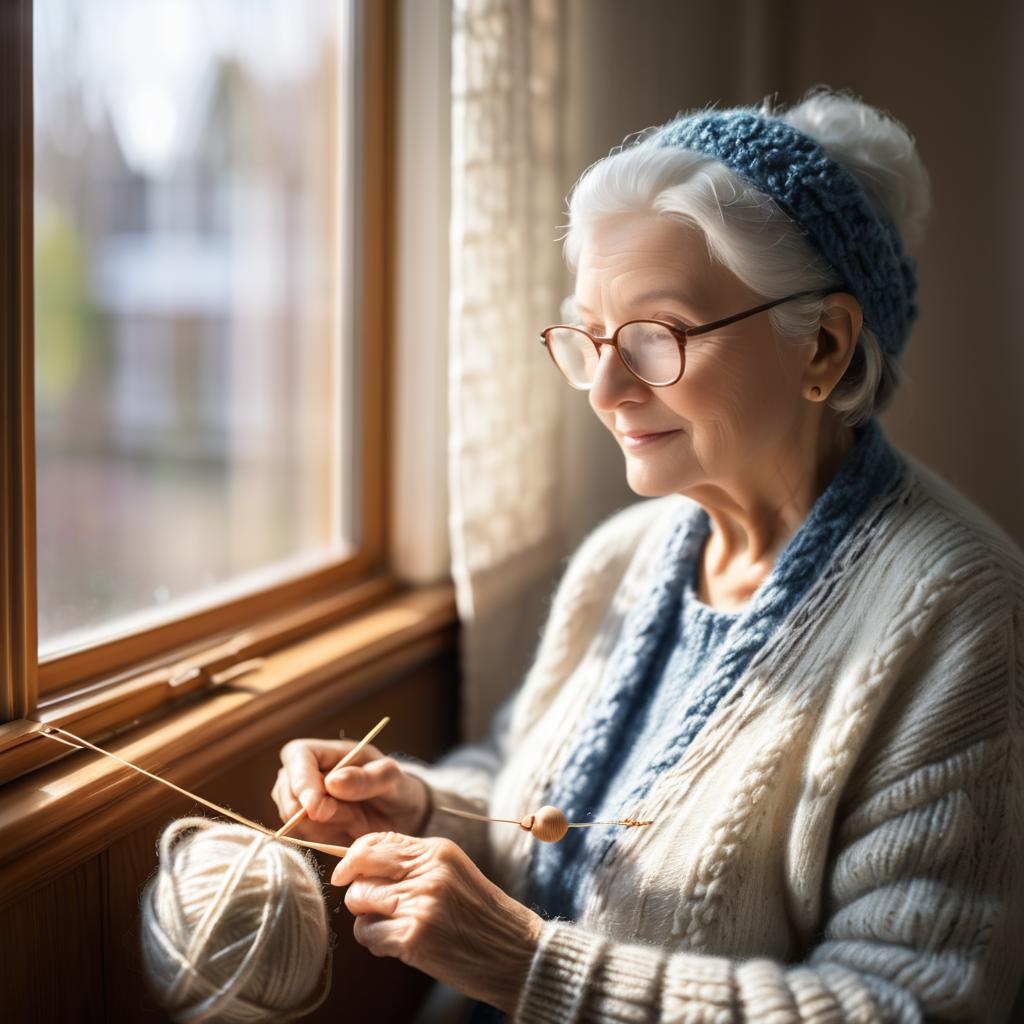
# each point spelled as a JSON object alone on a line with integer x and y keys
{"x": 52, "y": 963}
{"x": 77, "y": 957}
{"x": 126, "y": 866}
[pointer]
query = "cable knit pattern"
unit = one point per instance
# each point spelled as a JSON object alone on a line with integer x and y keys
{"x": 700, "y": 905}
{"x": 898, "y": 643}
{"x": 681, "y": 672}
{"x": 560, "y": 872}
{"x": 841, "y": 841}
{"x": 826, "y": 200}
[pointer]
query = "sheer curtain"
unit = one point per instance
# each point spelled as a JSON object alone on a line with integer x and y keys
{"x": 507, "y": 405}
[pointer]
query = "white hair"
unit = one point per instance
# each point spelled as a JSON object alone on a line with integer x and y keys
{"x": 752, "y": 236}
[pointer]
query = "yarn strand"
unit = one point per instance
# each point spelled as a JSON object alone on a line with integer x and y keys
{"x": 54, "y": 732}
{"x": 627, "y": 822}
{"x": 50, "y": 730}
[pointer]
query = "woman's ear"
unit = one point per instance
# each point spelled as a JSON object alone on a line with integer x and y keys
{"x": 841, "y": 320}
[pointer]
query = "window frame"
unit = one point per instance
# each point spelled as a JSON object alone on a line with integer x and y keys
{"x": 108, "y": 686}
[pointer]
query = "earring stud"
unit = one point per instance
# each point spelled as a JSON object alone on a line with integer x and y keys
{"x": 815, "y": 391}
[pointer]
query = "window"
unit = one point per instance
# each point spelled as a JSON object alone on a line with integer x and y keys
{"x": 193, "y": 334}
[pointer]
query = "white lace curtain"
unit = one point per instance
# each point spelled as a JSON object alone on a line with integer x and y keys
{"x": 506, "y": 402}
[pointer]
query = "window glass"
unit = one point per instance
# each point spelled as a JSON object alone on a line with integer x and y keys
{"x": 194, "y": 398}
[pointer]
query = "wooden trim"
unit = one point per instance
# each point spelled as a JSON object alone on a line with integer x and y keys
{"x": 56, "y": 818}
{"x": 17, "y": 374}
{"x": 377, "y": 142}
{"x": 82, "y": 667}
{"x": 375, "y": 92}
{"x": 109, "y": 705}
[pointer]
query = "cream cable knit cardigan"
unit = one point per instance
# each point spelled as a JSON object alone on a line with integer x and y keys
{"x": 843, "y": 841}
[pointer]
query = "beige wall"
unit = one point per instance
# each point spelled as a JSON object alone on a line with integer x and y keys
{"x": 949, "y": 71}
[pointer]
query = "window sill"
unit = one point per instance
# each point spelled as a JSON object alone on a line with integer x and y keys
{"x": 60, "y": 815}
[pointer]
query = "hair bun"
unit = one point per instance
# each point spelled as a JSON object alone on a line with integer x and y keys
{"x": 875, "y": 147}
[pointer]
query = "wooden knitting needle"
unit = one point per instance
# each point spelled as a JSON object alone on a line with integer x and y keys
{"x": 301, "y": 812}
{"x": 69, "y": 739}
{"x": 334, "y": 851}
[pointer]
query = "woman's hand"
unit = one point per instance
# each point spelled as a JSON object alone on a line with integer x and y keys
{"x": 371, "y": 794}
{"x": 426, "y": 903}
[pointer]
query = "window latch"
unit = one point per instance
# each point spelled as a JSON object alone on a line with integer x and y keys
{"x": 199, "y": 676}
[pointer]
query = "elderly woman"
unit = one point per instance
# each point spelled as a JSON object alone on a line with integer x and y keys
{"x": 799, "y": 660}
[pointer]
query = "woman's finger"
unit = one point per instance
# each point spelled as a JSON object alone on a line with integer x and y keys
{"x": 376, "y": 854}
{"x": 283, "y": 796}
{"x": 366, "y": 755}
{"x": 306, "y": 760}
{"x": 329, "y": 752}
{"x": 303, "y": 771}
{"x": 350, "y": 818}
{"x": 380, "y": 935}
{"x": 364, "y": 782}
{"x": 372, "y": 896}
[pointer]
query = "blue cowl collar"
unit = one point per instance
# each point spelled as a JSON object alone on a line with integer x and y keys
{"x": 558, "y": 872}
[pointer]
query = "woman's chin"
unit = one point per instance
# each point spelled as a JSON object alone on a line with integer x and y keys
{"x": 648, "y": 482}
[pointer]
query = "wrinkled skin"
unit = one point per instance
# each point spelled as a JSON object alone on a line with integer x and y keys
{"x": 372, "y": 794}
{"x": 422, "y": 901}
{"x": 747, "y": 441}
{"x": 750, "y": 445}
{"x": 426, "y": 903}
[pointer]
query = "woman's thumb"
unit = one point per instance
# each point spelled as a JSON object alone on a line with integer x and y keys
{"x": 360, "y": 782}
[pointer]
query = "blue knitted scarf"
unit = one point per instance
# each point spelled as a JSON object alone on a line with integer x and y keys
{"x": 560, "y": 872}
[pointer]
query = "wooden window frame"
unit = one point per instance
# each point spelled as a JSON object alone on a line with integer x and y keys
{"x": 114, "y": 686}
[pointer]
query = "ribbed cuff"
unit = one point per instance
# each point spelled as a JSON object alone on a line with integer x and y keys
{"x": 559, "y": 975}
{"x": 578, "y": 974}
{"x": 581, "y": 976}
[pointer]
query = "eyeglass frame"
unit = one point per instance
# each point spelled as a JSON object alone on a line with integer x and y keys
{"x": 680, "y": 334}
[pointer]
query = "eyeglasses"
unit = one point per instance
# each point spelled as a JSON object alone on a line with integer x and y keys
{"x": 652, "y": 350}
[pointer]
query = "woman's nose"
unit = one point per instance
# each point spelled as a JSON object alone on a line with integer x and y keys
{"x": 613, "y": 383}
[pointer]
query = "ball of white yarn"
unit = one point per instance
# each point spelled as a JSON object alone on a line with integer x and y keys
{"x": 234, "y": 926}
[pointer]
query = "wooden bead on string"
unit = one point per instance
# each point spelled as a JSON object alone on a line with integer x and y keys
{"x": 549, "y": 824}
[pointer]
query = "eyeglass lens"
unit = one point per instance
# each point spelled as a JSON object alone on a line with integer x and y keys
{"x": 650, "y": 350}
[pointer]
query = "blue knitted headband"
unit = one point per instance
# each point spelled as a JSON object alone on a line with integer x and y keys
{"x": 825, "y": 200}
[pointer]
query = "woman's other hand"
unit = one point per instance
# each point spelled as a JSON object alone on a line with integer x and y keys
{"x": 370, "y": 794}
{"x": 426, "y": 903}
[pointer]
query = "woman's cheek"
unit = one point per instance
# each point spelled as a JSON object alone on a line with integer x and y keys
{"x": 730, "y": 406}
{"x": 716, "y": 412}
{"x": 708, "y": 389}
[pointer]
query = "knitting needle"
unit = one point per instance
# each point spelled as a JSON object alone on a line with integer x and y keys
{"x": 334, "y": 851}
{"x": 52, "y": 731}
{"x": 301, "y": 812}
